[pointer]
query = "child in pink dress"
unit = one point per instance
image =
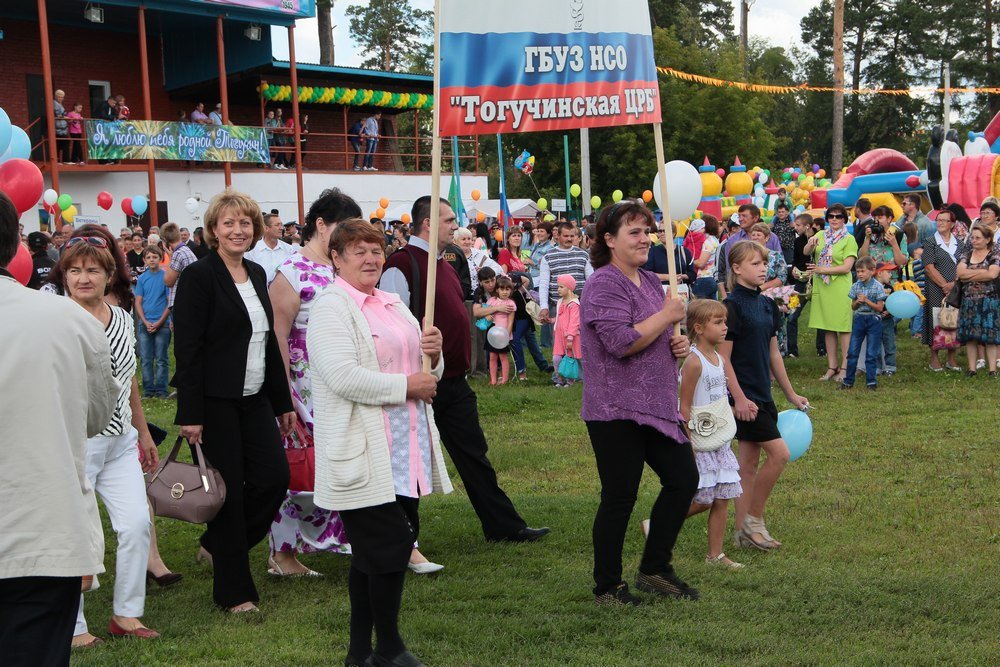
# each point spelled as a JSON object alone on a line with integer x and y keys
{"x": 504, "y": 289}
{"x": 566, "y": 336}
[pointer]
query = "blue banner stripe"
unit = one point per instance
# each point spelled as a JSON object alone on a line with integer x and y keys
{"x": 472, "y": 60}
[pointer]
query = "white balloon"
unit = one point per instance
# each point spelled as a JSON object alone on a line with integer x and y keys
{"x": 498, "y": 337}
{"x": 50, "y": 197}
{"x": 683, "y": 188}
{"x": 191, "y": 205}
{"x": 762, "y": 179}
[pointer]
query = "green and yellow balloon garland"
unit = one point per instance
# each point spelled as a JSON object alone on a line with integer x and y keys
{"x": 347, "y": 96}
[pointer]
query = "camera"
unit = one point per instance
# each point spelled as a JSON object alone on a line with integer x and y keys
{"x": 878, "y": 231}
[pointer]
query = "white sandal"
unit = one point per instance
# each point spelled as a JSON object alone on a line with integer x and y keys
{"x": 722, "y": 560}
{"x": 753, "y": 524}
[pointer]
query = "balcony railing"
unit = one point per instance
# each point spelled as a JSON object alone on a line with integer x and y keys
{"x": 321, "y": 151}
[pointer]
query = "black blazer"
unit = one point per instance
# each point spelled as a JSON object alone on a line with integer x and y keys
{"x": 211, "y": 335}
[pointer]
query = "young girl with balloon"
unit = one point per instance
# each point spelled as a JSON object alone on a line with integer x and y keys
{"x": 751, "y": 357}
{"x": 566, "y": 336}
{"x": 709, "y": 421}
{"x": 497, "y": 341}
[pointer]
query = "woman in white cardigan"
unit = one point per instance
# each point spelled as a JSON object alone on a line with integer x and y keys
{"x": 377, "y": 448}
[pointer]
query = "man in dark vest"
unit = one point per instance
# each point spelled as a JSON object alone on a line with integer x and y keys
{"x": 455, "y": 410}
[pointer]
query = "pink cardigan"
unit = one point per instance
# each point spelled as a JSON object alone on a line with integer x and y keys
{"x": 567, "y": 324}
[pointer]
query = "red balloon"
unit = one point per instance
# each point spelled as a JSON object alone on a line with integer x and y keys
{"x": 20, "y": 266}
{"x": 22, "y": 182}
{"x": 912, "y": 181}
{"x": 127, "y": 206}
{"x": 105, "y": 200}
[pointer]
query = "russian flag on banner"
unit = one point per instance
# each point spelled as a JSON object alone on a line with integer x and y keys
{"x": 531, "y": 65}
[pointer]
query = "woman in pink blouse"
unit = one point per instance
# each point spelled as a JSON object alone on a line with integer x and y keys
{"x": 377, "y": 448}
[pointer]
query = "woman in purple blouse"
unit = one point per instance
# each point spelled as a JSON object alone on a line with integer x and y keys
{"x": 630, "y": 405}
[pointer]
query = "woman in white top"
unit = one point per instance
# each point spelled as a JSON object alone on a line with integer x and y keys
{"x": 117, "y": 457}
{"x": 377, "y": 448}
{"x": 231, "y": 387}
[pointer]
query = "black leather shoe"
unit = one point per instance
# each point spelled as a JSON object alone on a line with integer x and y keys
{"x": 526, "y": 534}
{"x": 351, "y": 661}
{"x": 404, "y": 659}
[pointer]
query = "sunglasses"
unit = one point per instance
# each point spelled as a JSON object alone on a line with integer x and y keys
{"x": 835, "y": 216}
{"x": 95, "y": 241}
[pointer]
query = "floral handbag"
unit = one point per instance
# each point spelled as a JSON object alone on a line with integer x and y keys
{"x": 712, "y": 426}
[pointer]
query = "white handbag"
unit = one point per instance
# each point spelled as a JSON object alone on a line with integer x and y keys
{"x": 712, "y": 426}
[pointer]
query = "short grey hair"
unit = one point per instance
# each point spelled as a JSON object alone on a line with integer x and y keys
{"x": 463, "y": 232}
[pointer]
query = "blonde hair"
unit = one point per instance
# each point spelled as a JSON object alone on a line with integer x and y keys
{"x": 741, "y": 252}
{"x": 701, "y": 311}
{"x": 241, "y": 203}
{"x": 761, "y": 227}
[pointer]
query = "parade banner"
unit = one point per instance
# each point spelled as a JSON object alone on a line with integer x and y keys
{"x": 165, "y": 140}
{"x": 298, "y": 8}
{"x": 528, "y": 66}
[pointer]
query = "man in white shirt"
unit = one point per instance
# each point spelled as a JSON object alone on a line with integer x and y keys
{"x": 216, "y": 115}
{"x": 270, "y": 251}
{"x": 371, "y": 135}
{"x": 45, "y": 420}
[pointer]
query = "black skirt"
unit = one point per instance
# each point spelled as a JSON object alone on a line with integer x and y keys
{"x": 761, "y": 429}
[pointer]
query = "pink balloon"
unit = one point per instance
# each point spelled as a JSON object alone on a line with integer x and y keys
{"x": 22, "y": 182}
{"x": 20, "y": 266}
{"x": 721, "y": 172}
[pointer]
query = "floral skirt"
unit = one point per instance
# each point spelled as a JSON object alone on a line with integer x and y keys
{"x": 302, "y": 527}
{"x": 718, "y": 476}
{"x": 979, "y": 320}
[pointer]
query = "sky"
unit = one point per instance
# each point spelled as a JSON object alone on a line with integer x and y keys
{"x": 774, "y": 20}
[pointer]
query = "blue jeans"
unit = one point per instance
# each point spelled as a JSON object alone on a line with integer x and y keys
{"x": 153, "y": 351}
{"x": 705, "y": 288}
{"x": 917, "y": 324}
{"x": 889, "y": 344}
{"x": 865, "y": 328}
{"x": 524, "y": 334}
{"x": 356, "y": 145}
{"x": 370, "y": 152}
{"x": 546, "y": 335}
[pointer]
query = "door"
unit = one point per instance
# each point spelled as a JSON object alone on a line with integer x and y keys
{"x": 100, "y": 91}
{"x": 36, "y": 112}
{"x": 161, "y": 216}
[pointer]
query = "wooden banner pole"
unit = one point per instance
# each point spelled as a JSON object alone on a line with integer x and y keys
{"x": 435, "y": 223}
{"x": 667, "y": 233}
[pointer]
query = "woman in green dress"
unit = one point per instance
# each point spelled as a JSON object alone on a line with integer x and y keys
{"x": 834, "y": 252}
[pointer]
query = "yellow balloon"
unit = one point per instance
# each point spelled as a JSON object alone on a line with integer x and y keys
{"x": 69, "y": 214}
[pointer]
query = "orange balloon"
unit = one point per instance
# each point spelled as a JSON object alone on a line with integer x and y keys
{"x": 405, "y": 218}
{"x": 480, "y": 217}
{"x": 476, "y": 194}
{"x": 498, "y": 236}
{"x": 383, "y": 202}
{"x": 647, "y": 196}
{"x": 380, "y": 213}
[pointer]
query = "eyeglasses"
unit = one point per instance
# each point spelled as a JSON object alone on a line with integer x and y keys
{"x": 95, "y": 241}
{"x": 835, "y": 216}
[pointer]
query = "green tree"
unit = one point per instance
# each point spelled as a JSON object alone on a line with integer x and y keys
{"x": 390, "y": 32}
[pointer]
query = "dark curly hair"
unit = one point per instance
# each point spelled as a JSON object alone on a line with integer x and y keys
{"x": 611, "y": 220}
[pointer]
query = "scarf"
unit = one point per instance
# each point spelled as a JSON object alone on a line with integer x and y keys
{"x": 830, "y": 239}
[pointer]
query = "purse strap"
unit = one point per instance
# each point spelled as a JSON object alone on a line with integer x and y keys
{"x": 207, "y": 481}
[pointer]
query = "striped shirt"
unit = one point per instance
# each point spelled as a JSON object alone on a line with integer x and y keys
{"x": 121, "y": 336}
{"x": 574, "y": 261}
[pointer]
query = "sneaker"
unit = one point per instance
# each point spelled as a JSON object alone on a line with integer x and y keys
{"x": 793, "y": 355}
{"x": 871, "y": 387}
{"x": 372, "y": 169}
{"x": 357, "y": 169}
{"x": 666, "y": 584}
{"x": 618, "y": 597}
{"x": 844, "y": 386}
{"x": 981, "y": 364}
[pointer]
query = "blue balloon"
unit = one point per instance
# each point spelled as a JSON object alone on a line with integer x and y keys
{"x": 903, "y": 304}
{"x": 139, "y": 204}
{"x": 5, "y": 127}
{"x": 796, "y": 430}
{"x": 20, "y": 145}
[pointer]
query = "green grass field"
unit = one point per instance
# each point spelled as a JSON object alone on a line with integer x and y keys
{"x": 890, "y": 526}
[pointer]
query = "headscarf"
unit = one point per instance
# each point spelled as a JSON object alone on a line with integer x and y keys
{"x": 830, "y": 239}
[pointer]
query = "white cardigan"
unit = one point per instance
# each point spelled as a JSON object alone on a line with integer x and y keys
{"x": 353, "y": 469}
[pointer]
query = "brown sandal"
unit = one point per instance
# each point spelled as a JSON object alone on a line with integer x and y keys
{"x": 829, "y": 375}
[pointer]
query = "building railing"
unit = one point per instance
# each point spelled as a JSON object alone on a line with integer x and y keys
{"x": 321, "y": 151}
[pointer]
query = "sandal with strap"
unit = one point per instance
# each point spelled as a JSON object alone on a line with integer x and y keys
{"x": 742, "y": 540}
{"x": 829, "y": 375}
{"x": 753, "y": 524}
{"x": 721, "y": 559}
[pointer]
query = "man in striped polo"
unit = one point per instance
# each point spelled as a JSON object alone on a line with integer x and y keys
{"x": 566, "y": 258}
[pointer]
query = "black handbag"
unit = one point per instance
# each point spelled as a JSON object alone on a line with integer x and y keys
{"x": 954, "y": 298}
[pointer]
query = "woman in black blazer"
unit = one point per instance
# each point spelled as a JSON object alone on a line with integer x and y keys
{"x": 231, "y": 385}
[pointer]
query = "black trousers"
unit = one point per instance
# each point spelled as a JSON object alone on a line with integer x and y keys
{"x": 242, "y": 441}
{"x": 622, "y": 448}
{"x": 456, "y": 414}
{"x": 37, "y": 619}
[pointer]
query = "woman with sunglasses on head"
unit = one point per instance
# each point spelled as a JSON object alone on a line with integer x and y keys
{"x": 114, "y": 466}
{"x": 118, "y": 294}
{"x": 834, "y": 252}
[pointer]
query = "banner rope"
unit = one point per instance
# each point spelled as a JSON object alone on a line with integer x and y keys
{"x": 804, "y": 87}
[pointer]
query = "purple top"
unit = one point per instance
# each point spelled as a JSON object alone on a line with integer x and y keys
{"x": 773, "y": 242}
{"x": 641, "y": 387}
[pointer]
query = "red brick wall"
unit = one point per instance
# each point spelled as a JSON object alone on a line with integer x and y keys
{"x": 78, "y": 55}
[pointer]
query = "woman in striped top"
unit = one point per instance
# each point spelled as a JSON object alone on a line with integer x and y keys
{"x": 114, "y": 466}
